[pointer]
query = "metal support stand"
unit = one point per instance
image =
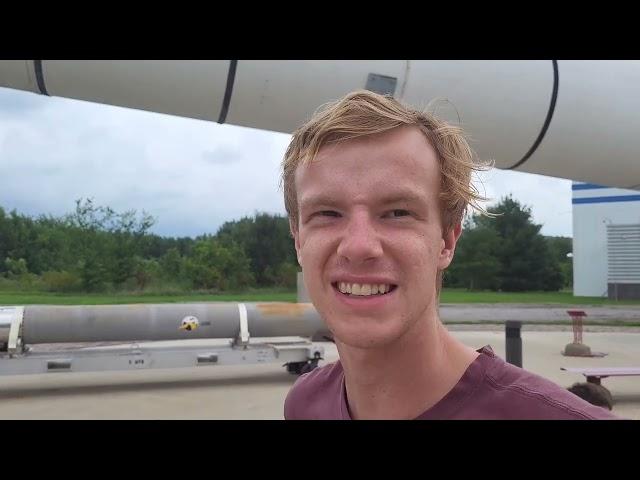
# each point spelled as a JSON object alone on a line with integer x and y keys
{"x": 243, "y": 334}
{"x": 174, "y": 354}
{"x": 577, "y": 348}
{"x": 11, "y": 329}
{"x": 513, "y": 343}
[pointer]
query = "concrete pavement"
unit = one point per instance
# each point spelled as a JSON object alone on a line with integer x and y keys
{"x": 258, "y": 391}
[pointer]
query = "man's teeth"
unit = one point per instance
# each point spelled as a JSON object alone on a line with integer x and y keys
{"x": 363, "y": 289}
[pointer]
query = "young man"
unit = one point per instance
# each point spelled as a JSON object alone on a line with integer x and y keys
{"x": 375, "y": 193}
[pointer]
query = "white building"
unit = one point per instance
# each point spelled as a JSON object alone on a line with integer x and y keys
{"x": 606, "y": 241}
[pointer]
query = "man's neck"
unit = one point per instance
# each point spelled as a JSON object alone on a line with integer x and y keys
{"x": 406, "y": 378}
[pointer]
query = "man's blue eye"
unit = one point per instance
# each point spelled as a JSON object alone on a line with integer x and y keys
{"x": 400, "y": 213}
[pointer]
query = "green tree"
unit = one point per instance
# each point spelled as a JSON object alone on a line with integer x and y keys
{"x": 475, "y": 264}
{"x": 525, "y": 260}
{"x": 16, "y": 266}
{"x": 172, "y": 264}
{"x": 287, "y": 275}
{"x": 18, "y": 235}
{"x": 64, "y": 282}
{"x": 146, "y": 270}
{"x": 559, "y": 248}
{"x": 267, "y": 242}
{"x": 214, "y": 265}
{"x": 107, "y": 243}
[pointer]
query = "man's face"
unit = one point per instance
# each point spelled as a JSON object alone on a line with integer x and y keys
{"x": 369, "y": 221}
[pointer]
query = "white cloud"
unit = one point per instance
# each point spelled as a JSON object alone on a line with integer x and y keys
{"x": 190, "y": 174}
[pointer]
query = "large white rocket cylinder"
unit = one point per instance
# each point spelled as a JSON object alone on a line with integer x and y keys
{"x": 568, "y": 119}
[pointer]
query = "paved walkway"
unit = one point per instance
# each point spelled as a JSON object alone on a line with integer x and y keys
{"x": 502, "y": 312}
{"x": 258, "y": 391}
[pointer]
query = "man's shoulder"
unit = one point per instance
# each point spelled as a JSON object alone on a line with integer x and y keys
{"x": 316, "y": 394}
{"x": 521, "y": 394}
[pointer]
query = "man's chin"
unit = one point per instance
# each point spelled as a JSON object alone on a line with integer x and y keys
{"x": 365, "y": 338}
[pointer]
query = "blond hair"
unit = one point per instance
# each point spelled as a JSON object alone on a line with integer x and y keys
{"x": 362, "y": 113}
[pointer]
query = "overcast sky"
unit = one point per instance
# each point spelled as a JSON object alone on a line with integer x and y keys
{"x": 191, "y": 175}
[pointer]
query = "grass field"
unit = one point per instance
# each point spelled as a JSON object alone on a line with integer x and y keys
{"x": 560, "y": 298}
{"x": 15, "y": 298}
{"x": 448, "y": 296}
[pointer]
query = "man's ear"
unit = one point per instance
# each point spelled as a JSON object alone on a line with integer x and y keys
{"x": 293, "y": 227}
{"x": 448, "y": 245}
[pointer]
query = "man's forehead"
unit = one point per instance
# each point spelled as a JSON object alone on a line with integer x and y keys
{"x": 405, "y": 139}
{"x": 402, "y": 145}
{"x": 402, "y": 156}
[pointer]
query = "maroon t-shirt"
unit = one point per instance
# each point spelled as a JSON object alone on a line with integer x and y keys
{"x": 490, "y": 389}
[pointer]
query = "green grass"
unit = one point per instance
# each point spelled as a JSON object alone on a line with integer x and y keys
{"x": 17, "y": 298}
{"x": 273, "y": 295}
{"x": 568, "y": 323}
{"x": 560, "y": 298}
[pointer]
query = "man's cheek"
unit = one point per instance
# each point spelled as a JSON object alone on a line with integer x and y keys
{"x": 310, "y": 249}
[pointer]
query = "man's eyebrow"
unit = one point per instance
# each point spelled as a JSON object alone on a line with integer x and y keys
{"x": 401, "y": 197}
{"x": 391, "y": 198}
{"x": 320, "y": 199}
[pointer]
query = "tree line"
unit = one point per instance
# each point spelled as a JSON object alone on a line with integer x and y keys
{"x": 96, "y": 249}
{"x": 504, "y": 251}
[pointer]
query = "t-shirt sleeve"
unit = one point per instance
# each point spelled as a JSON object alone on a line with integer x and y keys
{"x": 293, "y": 403}
{"x": 520, "y": 394}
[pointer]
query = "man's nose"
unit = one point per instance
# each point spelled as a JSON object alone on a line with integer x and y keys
{"x": 360, "y": 241}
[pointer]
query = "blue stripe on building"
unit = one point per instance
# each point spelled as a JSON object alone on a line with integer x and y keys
{"x": 616, "y": 198}
{"x": 587, "y": 186}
